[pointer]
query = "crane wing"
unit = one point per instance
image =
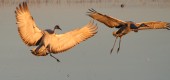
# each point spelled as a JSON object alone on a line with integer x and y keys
{"x": 107, "y": 20}
{"x": 63, "y": 42}
{"x": 153, "y": 25}
{"x": 28, "y": 30}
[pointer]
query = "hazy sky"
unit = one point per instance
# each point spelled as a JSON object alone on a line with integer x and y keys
{"x": 143, "y": 55}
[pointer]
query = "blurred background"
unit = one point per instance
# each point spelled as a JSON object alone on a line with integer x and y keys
{"x": 143, "y": 55}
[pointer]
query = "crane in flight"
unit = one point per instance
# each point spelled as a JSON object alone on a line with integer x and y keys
{"x": 124, "y": 27}
{"x": 47, "y": 41}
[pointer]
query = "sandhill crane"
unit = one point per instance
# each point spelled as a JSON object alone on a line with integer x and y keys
{"x": 47, "y": 41}
{"x": 125, "y": 26}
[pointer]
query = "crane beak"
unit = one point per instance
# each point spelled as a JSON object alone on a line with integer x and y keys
{"x": 60, "y": 28}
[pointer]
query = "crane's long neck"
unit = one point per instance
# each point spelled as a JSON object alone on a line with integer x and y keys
{"x": 54, "y": 30}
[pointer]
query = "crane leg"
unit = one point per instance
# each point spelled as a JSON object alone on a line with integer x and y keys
{"x": 113, "y": 46}
{"x": 54, "y": 57}
{"x": 119, "y": 45}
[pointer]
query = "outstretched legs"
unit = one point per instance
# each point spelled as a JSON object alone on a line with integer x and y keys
{"x": 119, "y": 45}
{"x": 54, "y": 57}
{"x": 48, "y": 52}
{"x": 113, "y": 46}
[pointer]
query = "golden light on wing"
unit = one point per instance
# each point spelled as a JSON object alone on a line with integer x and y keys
{"x": 107, "y": 20}
{"x": 63, "y": 42}
{"x": 28, "y": 31}
{"x": 154, "y": 25}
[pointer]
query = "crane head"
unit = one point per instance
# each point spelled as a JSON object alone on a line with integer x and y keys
{"x": 57, "y": 27}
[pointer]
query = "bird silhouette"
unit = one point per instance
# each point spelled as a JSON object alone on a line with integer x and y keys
{"x": 124, "y": 27}
{"x": 47, "y": 41}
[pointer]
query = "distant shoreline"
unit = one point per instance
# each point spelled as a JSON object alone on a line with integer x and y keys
{"x": 159, "y": 3}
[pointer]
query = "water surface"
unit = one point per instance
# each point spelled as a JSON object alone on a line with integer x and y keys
{"x": 143, "y": 55}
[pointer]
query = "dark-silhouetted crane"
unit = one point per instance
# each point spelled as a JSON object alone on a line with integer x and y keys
{"x": 125, "y": 26}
